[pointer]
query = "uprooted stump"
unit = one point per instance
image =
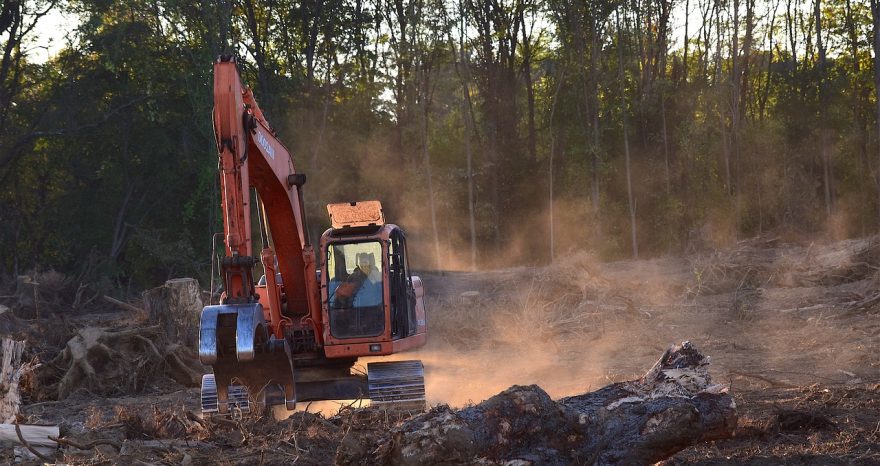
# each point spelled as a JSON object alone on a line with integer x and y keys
{"x": 673, "y": 406}
{"x": 107, "y": 361}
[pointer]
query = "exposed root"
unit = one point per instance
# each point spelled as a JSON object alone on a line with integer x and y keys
{"x": 107, "y": 362}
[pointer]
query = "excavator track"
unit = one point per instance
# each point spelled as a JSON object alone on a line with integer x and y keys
{"x": 397, "y": 384}
{"x": 238, "y": 400}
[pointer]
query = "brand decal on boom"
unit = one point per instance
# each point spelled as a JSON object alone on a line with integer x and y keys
{"x": 264, "y": 143}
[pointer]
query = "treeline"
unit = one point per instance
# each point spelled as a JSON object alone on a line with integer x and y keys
{"x": 496, "y": 132}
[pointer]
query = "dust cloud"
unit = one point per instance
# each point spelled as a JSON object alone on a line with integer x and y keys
{"x": 580, "y": 322}
{"x": 763, "y": 310}
{"x": 563, "y": 327}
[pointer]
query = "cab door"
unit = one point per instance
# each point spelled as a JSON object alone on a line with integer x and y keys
{"x": 403, "y": 298}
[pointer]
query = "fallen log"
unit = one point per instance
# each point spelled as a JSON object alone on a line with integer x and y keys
{"x": 37, "y": 436}
{"x": 673, "y": 406}
{"x": 128, "y": 307}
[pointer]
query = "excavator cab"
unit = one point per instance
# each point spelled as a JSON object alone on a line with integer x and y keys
{"x": 371, "y": 302}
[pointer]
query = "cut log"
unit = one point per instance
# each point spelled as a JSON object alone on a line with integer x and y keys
{"x": 123, "y": 305}
{"x": 36, "y": 436}
{"x": 176, "y": 307}
{"x": 675, "y": 405}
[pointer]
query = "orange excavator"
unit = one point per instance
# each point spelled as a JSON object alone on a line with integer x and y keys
{"x": 296, "y": 334}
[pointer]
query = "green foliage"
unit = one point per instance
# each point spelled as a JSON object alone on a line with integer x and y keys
{"x": 108, "y": 162}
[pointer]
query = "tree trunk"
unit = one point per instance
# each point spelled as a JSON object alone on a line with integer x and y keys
{"x": 259, "y": 53}
{"x": 429, "y": 179}
{"x": 792, "y": 34}
{"x": 673, "y": 406}
{"x": 176, "y": 307}
{"x": 769, "y": 71}
{"x": 595, "y": 50}
{"x": 623, "y": 109}
{"x": 530, "y": 91}
{"x": 665, "y": 142}
{"x": 467, "y": 115}
{"x": 34, "y": 435}
{"x": 316, "y": 150}
{"x": 687, "y": 8}
{"x": 559, "y": 80}
{"x": 823, "y": 123}
{"x": 735, "y": 90}
{"x": 27, "y": 291}
{"x": 861, "y": 121}
{"x": 725, "y": 146}
{"x": 875, "y": 17}
{"x": 746, "y": 62}
{"x": 469, "y": 125}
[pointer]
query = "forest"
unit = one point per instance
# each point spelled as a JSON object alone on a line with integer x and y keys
{"x": 496, "y": 132}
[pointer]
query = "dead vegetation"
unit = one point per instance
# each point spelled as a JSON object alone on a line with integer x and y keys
{"x": 116, "y": 361}
{"x": 764, "y": 262}
{"x": 676, "y": 398}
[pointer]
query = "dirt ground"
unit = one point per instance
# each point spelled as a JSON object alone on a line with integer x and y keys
{"x": 793, "y": 329}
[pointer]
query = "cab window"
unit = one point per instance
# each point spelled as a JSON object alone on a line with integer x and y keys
{"x": 355, "y": 289}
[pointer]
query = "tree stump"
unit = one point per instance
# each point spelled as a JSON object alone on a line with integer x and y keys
{"x": 673, "y": 406}
{"x": 11, "y": 370}
{"x": 26, "y": 291}
{"x": 176, "y": 307}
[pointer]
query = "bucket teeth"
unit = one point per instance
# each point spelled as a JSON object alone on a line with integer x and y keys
{"x": 209, "y": 394}
{"x": 397, "y": 384}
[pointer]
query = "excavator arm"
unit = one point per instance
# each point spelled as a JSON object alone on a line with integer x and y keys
{"x": 251, "y": 156}
{"x": 245, "y": 337}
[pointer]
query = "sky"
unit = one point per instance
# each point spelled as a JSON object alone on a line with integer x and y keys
{"x": 50, "y": 35}
{"x": 51, "y": 32}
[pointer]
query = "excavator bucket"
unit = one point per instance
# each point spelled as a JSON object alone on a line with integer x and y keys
{"x": 249, "y": 365}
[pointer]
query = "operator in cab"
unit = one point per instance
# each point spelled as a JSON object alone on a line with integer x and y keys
{"x": 362, "y": 288}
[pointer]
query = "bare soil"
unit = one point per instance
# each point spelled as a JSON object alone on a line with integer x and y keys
{"x": 793, "y": 329}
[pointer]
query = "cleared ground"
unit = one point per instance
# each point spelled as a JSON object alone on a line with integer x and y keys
{"x": 793, "y": 329}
